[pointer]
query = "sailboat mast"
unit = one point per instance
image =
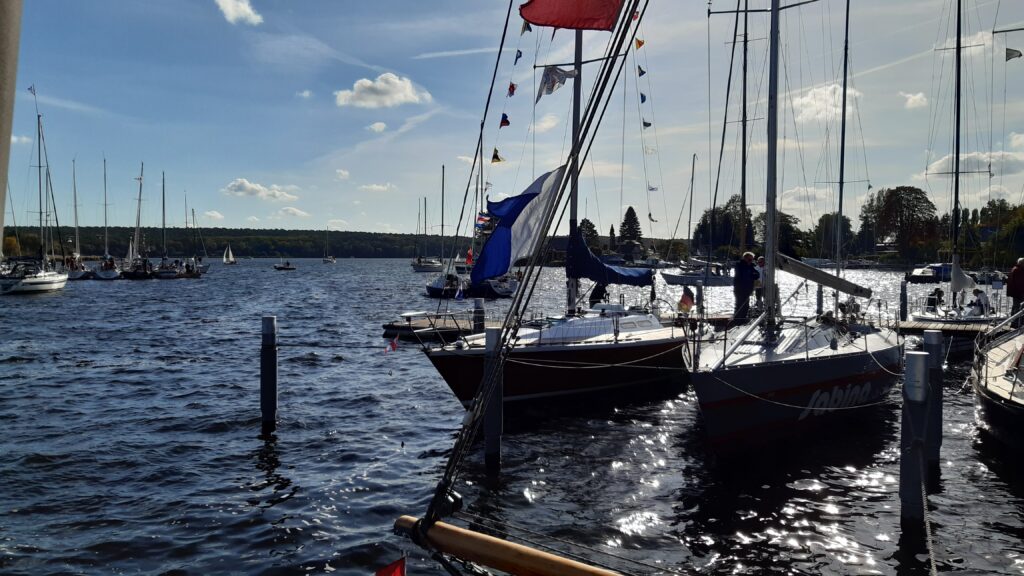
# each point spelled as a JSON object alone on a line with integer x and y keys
{"x": 956, "y": 140}
{"x": 572, "y": 284}
{"x": 138, "y": 210}
{"x": 837, "y": 229}
{"x": 689, "y": 221}
{"x": 106, "y": 239}
{"x": 74, "y": 200}
{"x": 442, "y": 212}
{"x": 163, "y": 211}
{"x": 39, "y": 156}
{"x": 771, "y": 241}
{"x": 743, "y": 144}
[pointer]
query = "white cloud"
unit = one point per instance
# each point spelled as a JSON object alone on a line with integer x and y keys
{"x": 305, "y": 94}
{"x": 822, "y": 103}
{"x": 466, "y": 159}
{"x": 20, "y": 139}
{"x": 252, "y": 219}
{"x": 918, "y": 100}
{"x": 387, "y": 91}
{"x": 357, "y": 202}
{"x": 387, "y": 187}
{"x": 377, "y": 127}
{"x": 242, "y": 187}
{"x": 239, "y": 11}
{"x": 342, "y": 174}
{"x": 213, "y": 215}
{"x": 545, "y": 123}
{"x": 1003, "y": 164}
{"x": 292, "y": 211}
{"x": 337, "y": 223}
{"x": 1016, "y": 140}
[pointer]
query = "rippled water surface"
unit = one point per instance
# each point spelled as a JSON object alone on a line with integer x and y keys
{"x": 131, "y": 444}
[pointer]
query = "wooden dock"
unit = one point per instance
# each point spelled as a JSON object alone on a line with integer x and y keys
{"x": 429, "y": 327}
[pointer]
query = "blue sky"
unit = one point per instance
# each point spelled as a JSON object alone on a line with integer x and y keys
{"x": 303, "y": 114}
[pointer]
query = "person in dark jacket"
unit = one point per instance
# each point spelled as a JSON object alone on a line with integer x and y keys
{"x": 743, "y": 281}
{"x": 598, "y": 295}
{"x": 1015, "y": 286}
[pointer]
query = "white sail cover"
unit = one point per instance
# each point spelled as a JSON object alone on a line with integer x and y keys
{"x": 958, "y": 280}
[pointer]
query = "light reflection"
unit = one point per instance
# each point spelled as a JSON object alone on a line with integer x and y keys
{"x": 637, "y": 522}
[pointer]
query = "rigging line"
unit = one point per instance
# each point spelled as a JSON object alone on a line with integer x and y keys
{"x": 643, "y": 147}
{"x": 622, "y": 153}
{"x": 597, "y": 197}
{"x": 657, "y": 144}
{"x": 725, "y": 123}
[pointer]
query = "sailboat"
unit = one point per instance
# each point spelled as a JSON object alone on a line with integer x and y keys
{"x": 137, "y": 266}
{"x": 779, "y": 374}
{"x": 76, "y": 269}
{"x": 166, "y": 270}
{"x": 423, "y": 263}
{"x": 229, "y": 258}
{"x": 37, "y": 275}
{"x": 108, "y": 268}
{"x": 328, "y": 259}
{"x": 600, "y": 351}
{"x": 708, "y": 275}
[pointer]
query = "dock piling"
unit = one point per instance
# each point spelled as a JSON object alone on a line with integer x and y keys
{"x": 478, "y": 315}
{"x": 933, "y": 435}
{"x": 494, "y": 411}
{"x": 912, "y": 435}
{"x": 903, "y": 301}
{"x": 268, "y": 375}
{"x": 821, "y": 300}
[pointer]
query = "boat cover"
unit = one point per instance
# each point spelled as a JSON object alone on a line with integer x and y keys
{"x": 580, "y": 262}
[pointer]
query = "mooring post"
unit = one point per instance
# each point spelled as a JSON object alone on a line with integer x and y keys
{"x": 700, "y": 298}
{"x": 821, "y": 300}
{"x": 478, "y": 315}
{"x": 494, "y": 411}
{"x": 268, "y": 375}
{"x": 903, "y": 301}
{"x": 912, "y": 435}
{"x": 933, "y": 435}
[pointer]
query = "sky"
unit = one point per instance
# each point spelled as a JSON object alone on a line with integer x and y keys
{"x": 306, "y": 114}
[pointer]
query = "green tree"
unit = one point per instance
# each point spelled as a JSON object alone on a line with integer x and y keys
{"x": 903, "y": 216}
{"x": 630, "y": 227}
{"x": 589, "y": 233}
{"x": 612, "y": 244}
{"x": 791, "y": 238}
{"x": 822, "y": 237}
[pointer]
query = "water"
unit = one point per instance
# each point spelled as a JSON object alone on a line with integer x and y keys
{"x": 130, "y": 422}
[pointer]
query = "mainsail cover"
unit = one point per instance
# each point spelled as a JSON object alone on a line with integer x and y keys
{"x": 958, "y": 280}
{"x": 519, "y": 225}
{"x": 580, "y": 262}
{"x": 572, "y": 14}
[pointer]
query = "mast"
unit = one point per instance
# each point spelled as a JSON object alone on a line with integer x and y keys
{"x": 425, "y": 233}
{"x": 442, "y": 212}
{"x": 138, "y": 211}
{"x": 689, "y": 222}
{"x": 39, "y": 156}
{"x": 771, "y": 241}
{"x": 163, "y": 211}
{"x": 74, "y": 200}
{"x": 572, "y": 284}
{"x": 106, "y": 239}
{"x": 837, "y": 229}
{"x": 743, "y": 144}
{"x": 956, "y": 138}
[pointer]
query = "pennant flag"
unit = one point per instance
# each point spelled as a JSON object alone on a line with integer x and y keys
{"x": 495, "y": 158}
{"x": 643, "y": 97}
{"x": 577, "y": 15}
{"x": 639, "y": 43}
{"x": 636, "y": 15}
{"x": 393, "y": 345}
{"x": 651, "y": 218}
{"x": 652, "y": 188}
{"x": 526, "y": 28}
{"x": 396, "y": 568}
{"x": 469, "y": 256}
{"x": 1011, "y": 54}
{"x": 640, "y": 71}
{"x": 32, "y": 89}
{"x": 519, "y": 54}
{"x": 685, "y": 302}
{"x": 520, "y": 220}
{"x": 512, "y": 89}
{"x": 646, "y": 124}
{"x": 504, "y": 121}
{"x": 487, "y": 186}
{"x": 552, "y": 79}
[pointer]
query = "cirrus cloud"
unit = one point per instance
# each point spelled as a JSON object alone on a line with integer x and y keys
{"x": 242, "y": 188}
{"x": 236, "y": 11}
{"x": 387, "y": 91}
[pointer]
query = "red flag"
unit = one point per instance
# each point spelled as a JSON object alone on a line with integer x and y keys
{"x": 469, "y": 257}
{"x": 396, "y": 568}
{"x": 574, "y": 14}
{"x": 512, "y": 88}
{"x": 392, "y": 346}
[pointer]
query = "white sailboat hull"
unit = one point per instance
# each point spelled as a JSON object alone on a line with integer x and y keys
{"x": 47, "y": 281}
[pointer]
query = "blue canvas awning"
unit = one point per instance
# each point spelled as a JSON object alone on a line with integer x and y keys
{"x": 580, "y": 262}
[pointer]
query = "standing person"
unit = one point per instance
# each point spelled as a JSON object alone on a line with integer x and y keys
{"x": 742, "y": 286}
{"x": 1015, "y": 286}
{"x": 598, "y": 295}
{"x": 759, "y": 283}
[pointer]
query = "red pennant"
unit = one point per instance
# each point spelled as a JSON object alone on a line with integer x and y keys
{"x": 396, "y": 568}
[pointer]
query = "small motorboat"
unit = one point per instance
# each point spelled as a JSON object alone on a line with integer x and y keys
{"x": 286, "y": 265}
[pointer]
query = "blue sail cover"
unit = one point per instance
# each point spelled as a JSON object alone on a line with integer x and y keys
{"x": 519, "y": 220}
{"x": 580, "y": 262}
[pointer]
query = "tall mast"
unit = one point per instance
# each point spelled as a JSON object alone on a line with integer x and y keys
{"x": 138, "y": 211}
{"x": 837, "y": 229}
{"x": 442, "y": 212}
{"x": 425, "y": 233}
{"x": 74, "y": 200}
{"x": 39, "y": 156}
{"x": 163, "y": 211}
{"x": 572, "y": 284}
{"x": 956, "y": 140}
{"x": 689, "y": 222}
{"x": 771, "y": 241}
{"x": 106, "y": 240}
{"x": 743, "y": 144}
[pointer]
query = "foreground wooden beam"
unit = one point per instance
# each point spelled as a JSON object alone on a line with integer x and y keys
{"x": 497, "y": 553}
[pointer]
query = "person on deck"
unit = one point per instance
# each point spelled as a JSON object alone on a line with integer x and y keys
{"x": 1015, "y": 286}
{"x": 759, "y": 283}
{"x": 742, "y": 286}
{"x": 598, "y": 295}
{"x": 934, "y": 300}
{"x": 980, "y": 306}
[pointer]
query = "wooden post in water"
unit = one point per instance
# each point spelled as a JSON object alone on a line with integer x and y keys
{"x": 268, "y": 375}
{"x": 821, "y": 300}
{"x": 933, "y": 435}
{"x": 478, "y": 315}
{"x": 494, "y": 411}
{"x": 912, "y": 435}
{"x": 903, "y": 301}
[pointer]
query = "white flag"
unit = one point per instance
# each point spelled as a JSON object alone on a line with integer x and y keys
{"x": 553, "y": 79}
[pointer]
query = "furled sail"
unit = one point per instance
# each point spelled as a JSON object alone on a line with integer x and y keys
{"x": 519, "y": 226}
{"x": 580, "y": 262}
